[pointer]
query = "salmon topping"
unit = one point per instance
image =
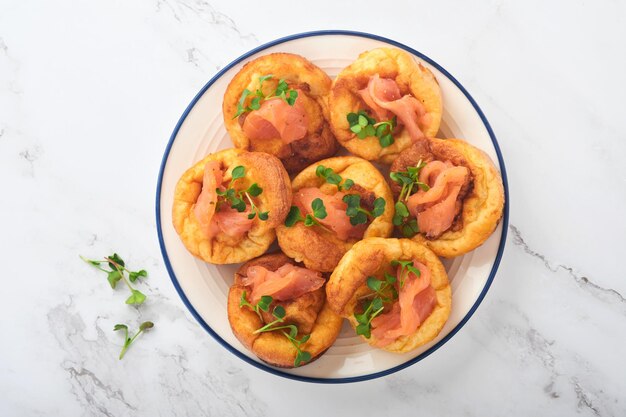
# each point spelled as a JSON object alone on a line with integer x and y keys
{"x": 336, "y": 219}
{"x": 286, "y": 283}
{"x": 416, "y": 301}
{"x": 435, "y": 209}
{"x": 277, "y": 119}
{"x": 225, "y": 220}
{"x": 382, "y": 95}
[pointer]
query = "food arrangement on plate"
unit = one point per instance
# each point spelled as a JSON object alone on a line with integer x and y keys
{"x": 360, "y": 233}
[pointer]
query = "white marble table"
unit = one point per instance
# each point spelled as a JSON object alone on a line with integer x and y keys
{"x": 89, "y": 94}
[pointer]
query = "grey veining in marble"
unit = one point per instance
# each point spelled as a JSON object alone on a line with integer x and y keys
{"x": 89, "y": 94}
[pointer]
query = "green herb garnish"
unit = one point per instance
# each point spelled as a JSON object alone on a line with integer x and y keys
{"x": 282, "y": 91}
{"x": 371, "y": 309}
{"x": 117, "y": 273}
{"x": 385, "y": 289}
{"x": 409, "y": 180}
{"x": 405, "y": 268}
{"x": 365, "y": 126}
{"x": 332, "y": 177}
{"x": 359, "y": 215}
{"x": 146, "y": 325}
{"x": 279, "y": 316}
{"x": 236, "y": 198}
{"x": 263, "y": 304}
{"x": 295, "y": 215}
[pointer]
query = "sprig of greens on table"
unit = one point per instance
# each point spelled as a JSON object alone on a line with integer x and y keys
{"x": 116, "y": 272}
{"x": 236, "y": 198}
{"x": 282, "y": 91}
{"x": 364, "y": 126}
{"x": 384, "y": 291}
{"x": 409, "y": 180}
{"x": 279, "y": 313}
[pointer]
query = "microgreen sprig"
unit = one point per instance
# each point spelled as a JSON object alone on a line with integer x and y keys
{"x": 117, "y": 273}
{"x": 146, "y": 325}
{"x": 409, "y": 180}
{"x": 332, "y": 177}
{"x": 282, "y": 91}
{"x": 406, "y": 267}
{"x": 236, "y": 198}
{"x": 279, "y": 315}
{"x": 371, "y": 309}
{"x": 263, "y": 304}
{"x": 385, "y": 289}
{"x": 365, "y": 126}
{"x": 295, "y": 215}
{"x": 359, "y": 215}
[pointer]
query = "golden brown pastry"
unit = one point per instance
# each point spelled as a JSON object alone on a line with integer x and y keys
{"x": 394, "y": 292}
{"x": 277, "y": 104}
{"x": 455, "y": 198}
{"x": 227, "y": 206}
{"x": 304, "y": 325}
{"x": 337, "y": 202}
{"x": 384, "y": 85}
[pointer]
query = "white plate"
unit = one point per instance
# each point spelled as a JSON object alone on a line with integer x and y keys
{"x": 204, "y": 287}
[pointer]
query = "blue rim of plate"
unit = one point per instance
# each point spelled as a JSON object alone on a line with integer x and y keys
{"x": 492, "y": 274}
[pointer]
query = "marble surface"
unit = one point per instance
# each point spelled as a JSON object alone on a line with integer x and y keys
{"x": 89, "y": 93}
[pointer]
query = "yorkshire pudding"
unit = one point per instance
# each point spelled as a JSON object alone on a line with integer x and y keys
{"x": 232, "y": 218}
{"x": 307, "y": 311}
{"x": 411, "y": 310}
{"x": 451, "y": 224}
{"x": 277, "y": 104}
{"x": 385, "y": 82}
{"x": 321, "y": 245}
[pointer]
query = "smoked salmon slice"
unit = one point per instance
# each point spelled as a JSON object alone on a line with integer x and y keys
{"x": 226, "y": 220}
{"x": 277, "y": 119}
{"x": 416, "y": 301}
{"x": 435, "y": 208}
{"x": 207, "y": 200}
{"x": 336, "y": 219}
{"x": 382, "y": 95}
{"x": 286, "y": 283}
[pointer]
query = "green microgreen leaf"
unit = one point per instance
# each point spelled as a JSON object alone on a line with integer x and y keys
{"x": 310, "y": 221}
{"x": 118, "y": 272}
{"x": 279, "y": 312}
{"x": 238, "y": 172}
{"x": 379, "y": 207}
{"x": 146, "y": 325}
{"x": 136, "y": 297}
{"x": 114, "y": 277}
{"x": 374, "y": 283}
{"x": 386, "y": 140}
{"x": 319, "y": 210}
{"x": 293, "y": 216}
{"x": 264, "y": 215}
{"x": 332, "y": 177}
{"x": 132, "y": 276}
{"x": 241, "y": 108}
{"x": 264, "y": 302}
{"x": 115, "y": 259}
{"x": 291, "y": 97}
{"x": 254, "y": 190}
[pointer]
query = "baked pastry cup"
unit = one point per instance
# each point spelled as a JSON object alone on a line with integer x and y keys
{"x": 308, "y": 312}
{"x": 348, "y": 291}
{"x": 221, "y": 245}
{"x": 411, "y": 78}
{"x": 295, "y": 148}
{"x": 320, "y": 247}
{"x": 479, "y": 204}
